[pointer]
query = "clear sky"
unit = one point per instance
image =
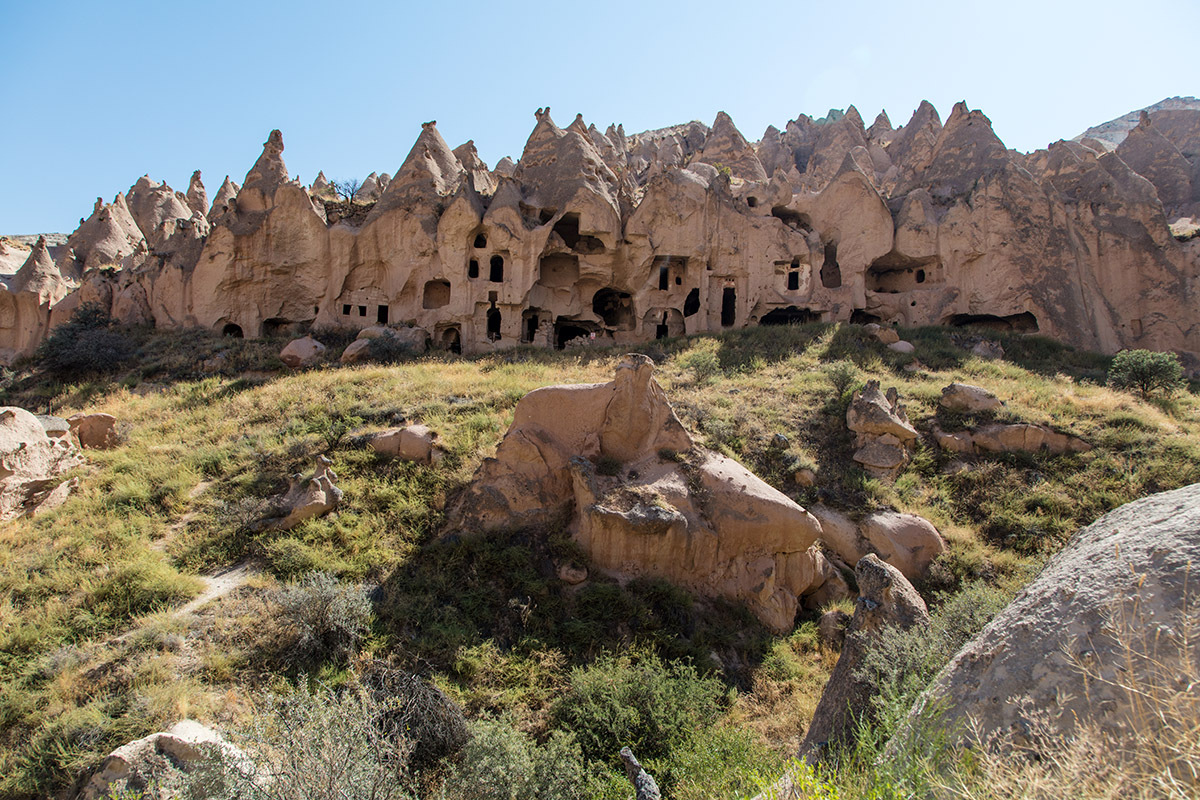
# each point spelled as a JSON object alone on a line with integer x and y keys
{"x": 98, "y": 94}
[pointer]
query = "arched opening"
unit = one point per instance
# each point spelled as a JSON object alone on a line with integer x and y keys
{"x": 496, "y": 273}
{"x": 473, "y": 268}
{"x": 437, "y": 294}
{"x": 691, "y": 303}
{"x": 894, "y": 273}
{"x": 728, "y": 306}
{"x": 752, "y": 202}
{"x": 232, "y": 330}
{"x": 568, "y": 330}
{"x": 480, "y": 241}
{"x": 789, "y": 316}
{"x": 493, "y": 324}
{"x": 793, "y": 219}
{"x": 451, "y": 340}
{"x": 665, "y": 322}
{"x": 831, "y": 273}
{"x": 614, "y": 307}
{"x": 1015, "y": 323}
{"x": 860, "y": 317}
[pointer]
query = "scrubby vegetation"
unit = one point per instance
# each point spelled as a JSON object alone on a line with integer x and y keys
{"x": 92, "y": 653}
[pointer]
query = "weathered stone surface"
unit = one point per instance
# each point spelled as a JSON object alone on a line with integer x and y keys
{"x": 906, "y": 541}
{"x": 885, "y": 598}
{"x": 883, "y": 435}
{"x": 1010, "y": 438}
{"x": 355, "y": 352}
{"x": 302, "y": 352}
{"x": 609, "y": 238}
{"x": 644, "y": 786}
{"x": 30, "y": 459}
{"x": 968, "y": 399}
{"x": 308, "y": 497}
{"x": 159, "y": 758}
{"x": 411, "y": 443}
{"x": 95, "y": 431}
{"x": 614, "y": 460}
{"x": 1116, "y": 599}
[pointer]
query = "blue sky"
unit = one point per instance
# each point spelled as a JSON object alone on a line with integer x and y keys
{"x": 98, "y": 94}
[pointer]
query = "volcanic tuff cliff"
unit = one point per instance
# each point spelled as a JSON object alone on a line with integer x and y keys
{"x": 616, "y": 238}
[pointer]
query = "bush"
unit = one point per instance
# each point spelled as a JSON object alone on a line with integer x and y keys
{"x": 328, "y": 618}
{"x": 432, "y": 723}
{"x": 644, "y": 704}
{"x": 389, "y": 349}
{"x": 842, "y": 374}
{"x": 1146, "y": 371}
{"x": 702, "y": 360}
{"x": 87, "y": 344}
{"x": 501, "y": 763}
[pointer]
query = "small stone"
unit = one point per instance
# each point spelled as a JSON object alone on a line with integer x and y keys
{"x": 902, "y": 347}
{"x": 805, "y": 477}
{"x": 779, "y": 441}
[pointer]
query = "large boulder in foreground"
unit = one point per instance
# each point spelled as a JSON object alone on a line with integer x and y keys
{"x": 1112, "y": 607}
{"x": 613, "y": 460}
{"x": 32, "y": 455}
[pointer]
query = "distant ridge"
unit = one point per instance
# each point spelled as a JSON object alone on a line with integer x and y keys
{"x": 1113, "y": 132}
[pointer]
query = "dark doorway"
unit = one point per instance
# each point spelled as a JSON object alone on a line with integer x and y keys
{"x": 381, "y": 315}
{"x": 451, "y": 340}
{"x": 860, "y": 317}
{"x": 496, "y": 275}
{"x": 529, "y": 331}
{"x": 614, "y": 307}
{"x": 473, "y": 268}
{"x": 1017, "y": 323}
{"x": 568, "y": 229}
{"x": 480, "y": 240}
{"x": 691, "y": 303}
{"x": 728, "y": 306}
{"x": 831, "y": 273}
{"x": 793, "y": 283}
{"x": 566, "y": 331}
{"x": 789, "y": 316}
{"x": 232, "y": 330}
{"x": 664, "y": 278}
{"x": 493, "y": 324}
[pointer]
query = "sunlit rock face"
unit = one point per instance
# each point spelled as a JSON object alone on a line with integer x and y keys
{"x": 598, "y": 237}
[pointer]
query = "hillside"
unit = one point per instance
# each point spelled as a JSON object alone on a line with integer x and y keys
{"x": 102, "y": 642}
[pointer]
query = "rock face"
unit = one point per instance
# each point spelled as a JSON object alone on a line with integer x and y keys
{"x": 1019, "y": 437}
{"x": 598, "y": 237}
{"x": 641, "y": 499}
{"x": 1114, "y": 600}
{"x": 883, "y": 436}
{"x": 156, "y": 759}
{"x": 32, "y": 455}
{"x": 908, "y": 542}
{"x": 885, "y": 598}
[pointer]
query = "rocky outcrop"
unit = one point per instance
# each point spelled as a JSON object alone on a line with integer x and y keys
{"x": 308, "y": 497}
{"x": 884, "y": 439}
{"x": 641, "y": 499}
{"x": 411, "y": 443}
{"x": 97, "y": 431}
{"x": 303, "y": 352}
{"x": 1108, "y": 613}
{"x": 27, "y": 300}
{"x": 607, "y": 238}
{"x": 968, "y": 399}
{"x": 908, "y": 542}
{"x": 32, "y": 456}
{"x": 159, "y": 759}
{"x": 644, "y": 785}
{"x": 1019, "y": 437}
{"x": 885, "y": 599}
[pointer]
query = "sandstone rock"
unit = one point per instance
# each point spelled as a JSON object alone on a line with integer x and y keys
{"x": 197, "y": 197}
{"x": 805, "y": 477}
{"x": 572, "y": 575}
{"x": 902, "y": 347}
{"x": 885, "y": 598}
{"x": 30, "y": 459}
{"x": 883, "y": 435}
{"x": 412, "y": 443}
{"x": 95, "y": 431}
{"x": 968, "y": 399}
{"x": 356, "y": 351}
{"x": 831, "y": 628}
{"x": 906, "y": 541}
{"x": 887, "y": 336}
{"x": 302, "y": 352}
{"x": 160, "y": 757}
{"x": 739, "y": 538}
{"x": 308, "y": 498}
{"x": 1113, "y": 603}
{"x": 988, "y": 349}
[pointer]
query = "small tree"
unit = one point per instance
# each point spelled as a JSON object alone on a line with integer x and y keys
{"x": 347, "y": 187}
{"x": 1146, "y": 371}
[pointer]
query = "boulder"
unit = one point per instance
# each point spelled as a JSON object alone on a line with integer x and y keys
{"x": 885, "y": 598}
{"x": 308, "y": 498}
{"x": 30, "y": 460}
{"x": 412, "y": 443}
{"x": 906, "y": 541}
{"x": 159, "y": 758}
{"x": 883, "y": 436}
{"x": 302, "y": 352}
{"x": 988, "y": 349}
{"x": 1020, "y": 437}
{"x": 902, "y": 346}
{"x": 95, "y": 431}
{"x": 1092, "y": 638}
{"x": 357, "y": 351}
{"x": 642, "y": 500}
{"x": 831, "y": 628}
{"x": 968, "y": 399}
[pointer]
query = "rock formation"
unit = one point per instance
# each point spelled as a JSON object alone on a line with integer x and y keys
{"x": 613, "y": 461}
{"x": 644, "y": 785}
{"x": 32, "y": 454}
{"x": 308, "y": 497}
{"x": 885, "y": 598}
{"x": 1111, "y": 610}
{"x": 598, "y": 237}
{"x": 908, "y": 542}
{"x": 884, "y": 439}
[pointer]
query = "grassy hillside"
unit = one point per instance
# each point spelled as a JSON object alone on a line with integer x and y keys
{"x": 93, "y": 651}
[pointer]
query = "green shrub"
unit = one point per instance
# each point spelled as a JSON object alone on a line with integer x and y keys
{"x": 643, "y": 703}
{"x": 501, "y": 763}
{"x": 1146, "y": 371}
{"x": 329, "y": 619}
{"x": 722, "y": 761}
{"x": 388, "y": 349}
{"x": 701, "y": 360}
{"x": 87, "y": 344}
{"x": 842, "y": 374}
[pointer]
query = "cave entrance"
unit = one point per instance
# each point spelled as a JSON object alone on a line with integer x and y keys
{"x": 480, "y": 241}
{"x": 529, "y": 325}
{"x": 473, "y": 268}
{"x": 567, "y": 228}
{"x": 437, "y": 294}
{"x": 894, "y": 273}
{"x": 232, "y": 330}
{"x": 860, "y": 317}
{"x": 614, "y": 307}
{"x": 791, "y": 315}
{"x": 381, "y": 315}
{"x": 831, "y": 273}
{"x": 496, "y": 269}
{"x": 493, "y": 324}
{"x": 567, "y": 330}
{"x": 691, "y": 303}
{"x": 1013, "y": 323}
{"x": 728, "y": 306}
{"x": 277, "y": 326}
{"x": 451, "y": 339}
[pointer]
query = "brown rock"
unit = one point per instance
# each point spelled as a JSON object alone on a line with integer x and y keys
{"x": 30, "y": 460}
{"x": 968, "y": 399}
{"x": 303, "y": 352}
{"x": 308, "y": 498}
{"x": 413, "y": 443}
{"x": 95, "y": 431}
{"x": 906, "y": 541}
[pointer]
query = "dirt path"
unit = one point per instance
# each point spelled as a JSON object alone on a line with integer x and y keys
{"x": 218, "y": 585}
